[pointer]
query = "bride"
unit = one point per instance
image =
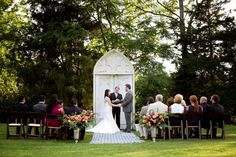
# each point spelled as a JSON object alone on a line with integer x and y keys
{"x": 108, "y": 124}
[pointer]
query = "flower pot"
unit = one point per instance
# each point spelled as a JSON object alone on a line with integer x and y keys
{"x": 137, "y": 127}
{"x": 145, "y": 132}
{"x": 141, "y": 131}
{"x": 153, "y": 133}
{"x": 76, "y": 135}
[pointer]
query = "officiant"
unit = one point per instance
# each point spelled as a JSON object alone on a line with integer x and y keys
{"x": 116, "y": 98}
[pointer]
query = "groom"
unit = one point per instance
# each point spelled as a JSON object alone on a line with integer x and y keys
{"x": 116, "y": 98}
{"x": 127, "y": 105}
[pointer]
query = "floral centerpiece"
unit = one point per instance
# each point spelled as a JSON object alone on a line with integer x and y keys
{"x": 79, "y": 121}
{"x": 153, "y": 121}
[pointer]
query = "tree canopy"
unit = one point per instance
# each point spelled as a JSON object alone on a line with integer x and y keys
{"x": 51, "y": 46}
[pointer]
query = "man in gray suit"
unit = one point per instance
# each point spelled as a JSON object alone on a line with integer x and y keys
{"x": 127, "y": 105}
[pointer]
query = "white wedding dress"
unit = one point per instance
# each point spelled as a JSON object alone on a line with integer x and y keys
{"x": 108, "y": 124}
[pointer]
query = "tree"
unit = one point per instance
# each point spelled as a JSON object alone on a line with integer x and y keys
{"x": 207, "y": 69}
{"x": 11, "y": 26}
{"x": 53, "y": 51}
{"x": 150, "y": 81}
{"x": 65, "y": 39}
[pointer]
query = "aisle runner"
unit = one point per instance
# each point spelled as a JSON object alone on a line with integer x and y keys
{"x": 120, "y": 137}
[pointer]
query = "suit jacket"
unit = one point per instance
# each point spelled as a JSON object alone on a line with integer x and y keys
{"x": 40, "y": 107}
{"x": 215, "y": 109}
{"x": 127, "y": 103}
{"x": 22, "y": 107}
{"x": 113, "y": 97}
{"x": 73, "y": 110}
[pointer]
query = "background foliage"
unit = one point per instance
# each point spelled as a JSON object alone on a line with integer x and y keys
{"x": 51, "y": 47}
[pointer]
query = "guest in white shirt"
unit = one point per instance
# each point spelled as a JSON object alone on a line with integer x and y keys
{"x": 177, "y": 107}
{"x": 158, "y": 106}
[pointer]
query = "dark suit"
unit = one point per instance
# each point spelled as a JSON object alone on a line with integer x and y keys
{"x": 127, "y": 105}
{"x": 215, "y": 111}
{"x": 40, "y": 107}
{"x": 116, "y": 110}
{"x": 23, "y": 108}
{"x": 73, "y": 110}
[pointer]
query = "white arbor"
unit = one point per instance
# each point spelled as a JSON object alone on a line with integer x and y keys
{"x": 112, "y": 69}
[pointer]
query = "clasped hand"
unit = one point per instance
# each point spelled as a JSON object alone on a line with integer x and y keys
{"x": 118, "y": 105}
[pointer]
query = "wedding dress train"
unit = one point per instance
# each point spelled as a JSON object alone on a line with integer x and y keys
{"x": 108, "y": 124}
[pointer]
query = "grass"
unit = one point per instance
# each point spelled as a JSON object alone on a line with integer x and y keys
{"x": 67, "y": 148}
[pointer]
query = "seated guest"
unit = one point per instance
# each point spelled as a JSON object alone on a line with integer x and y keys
{"x": 170, "y": 101}
{"x": 203, "y": 103}
{"x": 21, "y": 107}
{"x": 194, "y": 107}
{"x": 73, "y": 108}
{"x": 40, "y": 106}
{"x": 158, "y": 106}
{"x": 183, "y": 103}
{"x": 144, "y": 109}
{"x": 143, "y": 112}
{"x": 215, "y": 110}
{"x": 177, "y": 107}
{"x": 56, "y": 109}
{"x": 205, "y": 117}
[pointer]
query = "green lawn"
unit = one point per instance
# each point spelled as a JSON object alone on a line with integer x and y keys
{"x": 60, "y": 148}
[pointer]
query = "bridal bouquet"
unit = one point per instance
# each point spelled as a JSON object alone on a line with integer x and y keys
{"x": 79, "y": 121}
{"x": 154, "y": 120}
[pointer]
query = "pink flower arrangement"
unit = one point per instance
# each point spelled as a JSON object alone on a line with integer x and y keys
{"x": 78, "y": 121}
{"x": 153, "y": 119}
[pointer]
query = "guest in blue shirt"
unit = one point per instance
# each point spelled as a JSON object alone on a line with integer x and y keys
{"x": 203, "y": 103}
{"x": 71, "y": 110}
{"x": 205, "y": 117}
{"x": 73, "y": 107}
{"x": 40, "y": 106}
